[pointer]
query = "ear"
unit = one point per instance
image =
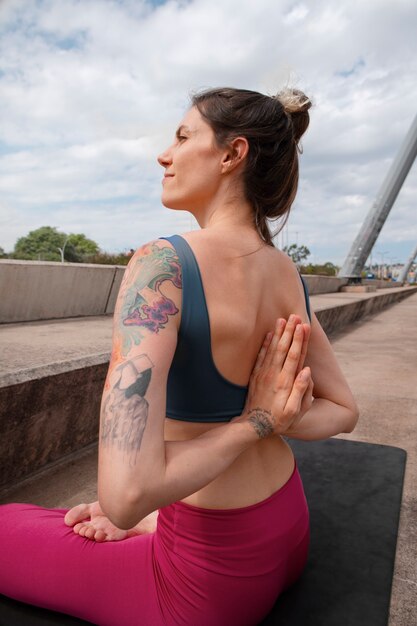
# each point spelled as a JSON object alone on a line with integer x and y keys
{"x": 235, "y": 154}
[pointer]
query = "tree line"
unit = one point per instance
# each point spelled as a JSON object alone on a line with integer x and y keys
{"x": 300, "y": 254}
{"x": 47, "y": 244}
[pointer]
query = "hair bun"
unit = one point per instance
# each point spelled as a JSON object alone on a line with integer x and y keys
{"x": 296, "y": 104}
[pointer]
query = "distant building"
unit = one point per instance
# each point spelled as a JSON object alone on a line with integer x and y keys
{"x": 397, "y": 269}
{"x": 390, "y": 272}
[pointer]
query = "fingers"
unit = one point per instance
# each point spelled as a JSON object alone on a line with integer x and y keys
{"x": 262, "y": 353}
{"x": 280, "y": 341}
{"x": 285, "y": 341}
{"x": 299, "y": 389}
{"x": 307, "y": 400}
{"x": 307, "y": 331}
{"x": 290, "y": 382}
{"x": 292, "y": 357}
{"x": 276, "y": 345}
{"x": 271, "y": 350}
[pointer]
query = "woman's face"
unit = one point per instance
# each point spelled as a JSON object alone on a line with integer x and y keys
{"x": 192, "y": 165}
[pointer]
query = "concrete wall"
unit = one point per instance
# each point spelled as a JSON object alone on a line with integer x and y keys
{"x": 323, "y": 284}
{"x": 49, "y": 416}
{"x": 332, "y": 284}
{"x": 39, "y": 290}
{"x": 381, "y": 284}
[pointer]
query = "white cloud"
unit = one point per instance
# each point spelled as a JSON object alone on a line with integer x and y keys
{"x": 92, "y": 91}
{"x": 296, "y": 14}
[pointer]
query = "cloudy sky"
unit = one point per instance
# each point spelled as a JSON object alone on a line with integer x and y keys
{"x": 92, "y": 90}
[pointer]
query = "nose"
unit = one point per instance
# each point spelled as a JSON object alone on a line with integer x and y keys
{"x": 164, "y": 158}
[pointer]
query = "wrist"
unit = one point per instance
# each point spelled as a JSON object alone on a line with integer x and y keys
{"x": 254, "y": 425}
{"x": 262, "y": 421}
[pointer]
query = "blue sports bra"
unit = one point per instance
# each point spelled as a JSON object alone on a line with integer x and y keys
{"x": 196, "y": 391}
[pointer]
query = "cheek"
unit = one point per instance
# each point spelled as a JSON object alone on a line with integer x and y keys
{"x": 206, "y": 165}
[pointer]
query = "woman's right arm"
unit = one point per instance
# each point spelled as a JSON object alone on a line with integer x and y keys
{"x": 334, "y": 409}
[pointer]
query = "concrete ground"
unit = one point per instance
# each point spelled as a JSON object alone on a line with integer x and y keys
{"x": 29, "y": 345}
{"x": 379, "y": 359}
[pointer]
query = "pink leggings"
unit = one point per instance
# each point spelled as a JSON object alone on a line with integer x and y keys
{"x": 211, "y": 567}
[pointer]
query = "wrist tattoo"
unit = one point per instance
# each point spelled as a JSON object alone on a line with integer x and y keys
{"x": 261, "y": 421}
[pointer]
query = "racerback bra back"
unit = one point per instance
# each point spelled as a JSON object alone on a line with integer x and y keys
{"x": 196, "y": 391}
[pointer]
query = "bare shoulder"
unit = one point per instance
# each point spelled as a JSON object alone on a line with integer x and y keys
{"x": 153, "y": 263}
{"x": 150, "y": 293}
{"x": 153, "y": 256}
{"x": 290, "y": 286}
{"x": 151, "y": 247}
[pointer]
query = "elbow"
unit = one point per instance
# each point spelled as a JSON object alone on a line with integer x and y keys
{"x": 122, "y": 519}
{"x": 352, "y": 417}
{"x": 126, "y": 510}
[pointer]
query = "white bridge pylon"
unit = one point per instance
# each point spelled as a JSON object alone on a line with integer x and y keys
{"x": 374, "y": 221}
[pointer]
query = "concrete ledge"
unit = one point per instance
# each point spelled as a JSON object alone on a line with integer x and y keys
{"x": 51, "y": 414}
{"x": 358, "y": 289}
{"x": 379, "y": 283}
{"x": 336, "y": 316}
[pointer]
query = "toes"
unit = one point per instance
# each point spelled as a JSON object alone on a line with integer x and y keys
{"x": 77, "y": 514}
{"x": 100, "y": 536}
{"x": 78, "y": 527}
{"x": 89, "y": 532}
{"x": 81, "y": 530}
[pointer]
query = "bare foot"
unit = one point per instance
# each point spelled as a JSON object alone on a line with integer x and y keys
{"x": 89, "y": 521}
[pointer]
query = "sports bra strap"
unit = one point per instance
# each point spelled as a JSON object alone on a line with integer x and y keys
{"x": 306, "y": 297}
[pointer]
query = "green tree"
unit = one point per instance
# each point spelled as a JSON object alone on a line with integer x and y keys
{"x": 46, "y": 243}
{"x": 327, "y": 269}
{"x": 3, "y": 255}
{"x": 82, "y": 245}
{"x": 297, "y": 253}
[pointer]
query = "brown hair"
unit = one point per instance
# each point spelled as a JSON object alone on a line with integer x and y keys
{"x": 273, "y": 127}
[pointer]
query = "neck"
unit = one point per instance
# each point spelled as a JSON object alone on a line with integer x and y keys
{"x": 224, "y": 212}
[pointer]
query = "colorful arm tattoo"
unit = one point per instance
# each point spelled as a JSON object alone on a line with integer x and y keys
{"x": 144, "y": 307}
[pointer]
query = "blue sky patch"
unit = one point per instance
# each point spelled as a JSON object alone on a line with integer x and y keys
{"x": 353, "y": 70}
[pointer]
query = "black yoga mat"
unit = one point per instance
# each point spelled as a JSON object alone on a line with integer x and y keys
{"x": 354, "y": 494}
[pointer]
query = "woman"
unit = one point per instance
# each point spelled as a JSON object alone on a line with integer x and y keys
{"x": 182, "y": 434}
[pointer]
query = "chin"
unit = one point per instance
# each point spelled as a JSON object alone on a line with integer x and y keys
{"x": 173, "y": 205}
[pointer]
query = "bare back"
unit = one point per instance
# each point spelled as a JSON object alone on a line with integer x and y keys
{"x": 247, "y": 287}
